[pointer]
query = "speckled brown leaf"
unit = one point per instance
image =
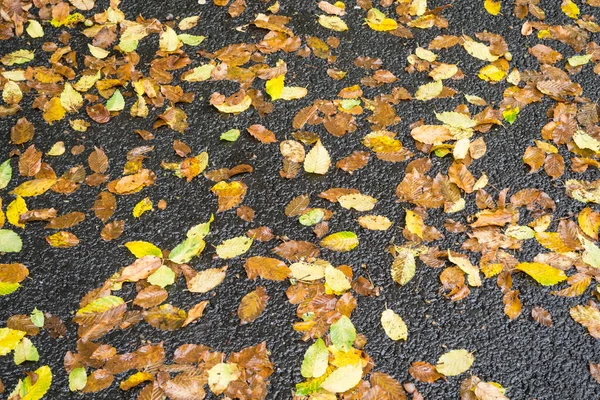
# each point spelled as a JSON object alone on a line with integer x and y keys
{"x": 252, "y": 305}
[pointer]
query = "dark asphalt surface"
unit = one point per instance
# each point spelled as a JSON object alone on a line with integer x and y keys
{"x": 531, "y": 361}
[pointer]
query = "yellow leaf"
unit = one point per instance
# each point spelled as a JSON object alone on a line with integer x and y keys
{"x": 293, "y": 92}
{"x": 274, "y": 87}
{"x": 234, "y": 247}
{"x": 492, "y": 7}
{"x": 343, "y": 379}
{"x": 198, "y": 74}
{"x": 140, "y": 249}
{"x": 207, "y": 280}
{"x": 465, "y": 265}
{"x": 34, "y": 187}
{"x": 53, "y": 110}
{"x": 340, "y": 241}
{"x": 34, "y": 29}
{"x": 478, "y": 50}
{"x": 305, "y": 271}
{"x": 71, "y": 99}
{"x": 168, "y": 40}
{"x": 14, "y": 210}
{"x": 98, "y": 52}
{"x": 357, "y": 201}
{"x": 333, "y": 22}
{"x": 37, "y": 390}
{"x": 585, "y": 141}
{"x": 414, "y": 223}
{"x": 570, "y": 9}
{"x": 317, "y": 160}
{"x": 379, "y": 22}
{"x": 237, "y": 108}
{"x": 221, "y": 375}
{"x": 336, "y": 280}
{"x": 429, "y": 91}
{"x": 142, "y": 206}
{"x": 375, "y": 222}
{"x": 455, "y": 362}
{"x": 99, "y": 306}
{"x": 404, "y": 266}
{"x": 542, "y": 273}
{"x": 393, "y": 325}
{"x": 11, "y": 93}
{"x": 9, "y": 339}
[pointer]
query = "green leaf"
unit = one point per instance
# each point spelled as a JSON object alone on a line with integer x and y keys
{"x": 312, "y": 217}
{"x": 7, "y": 288}
{"x": 140, "y": 249}
{"x": 234, "y": 247}
{"x": 25, "y": 351}
{"x": 10, "y": 242}
{"x": 231, "y": 135}
{"x": 37, "y": 317}
{"x": 315, "y": 360}
{"x": 342, "y": 333}
{"x": 5, "y": 173}
{"x": 340, "y": 241}
{"x": 201, "y": 230}
{"x": 163, "y": 276}
{"x": 9, "y": 339}
{"x": 191, "y": 40}
{"x": 116, "y": 102}
{"x": 187, "y": 249}
{"x": 510, "y": 114}
{"x": 77, "y": 379}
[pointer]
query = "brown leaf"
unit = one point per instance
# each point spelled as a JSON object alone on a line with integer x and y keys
{"x": 246, "y": 213}
{"x": 541, "y": 316}
{"x": 595, "y": 371}
{"x": 554, "y": 165}
{"x": 297, "y": 205}
{"x": 424, "y": 372}
{"x": 389, "y": 385}
{"x": 262, "y": 134}
{"x": 105, "y": 206}
{"x": 112, "y": 230}
{"x": 150, "y": 297}
{"x": 66, "y": 221}
{"x": 512, "y": 304}
{"x": 62, "y": 239}
{"x": 195, "y": 312}
{"x": 252, "y": 305}
{"x": 30, "y": 161}
{"x": 353, "y": 162}
{"x": 460, "y": 175}
{"x": 22, "y": 131}
{"x": 165, "y": 317}
{"x": 534, "y": 158}
{"x": 266, "y": 268}
{"x": 262, "y": 234}
{"x": 98, "y": 161}
{"x": 294, "y": 250}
